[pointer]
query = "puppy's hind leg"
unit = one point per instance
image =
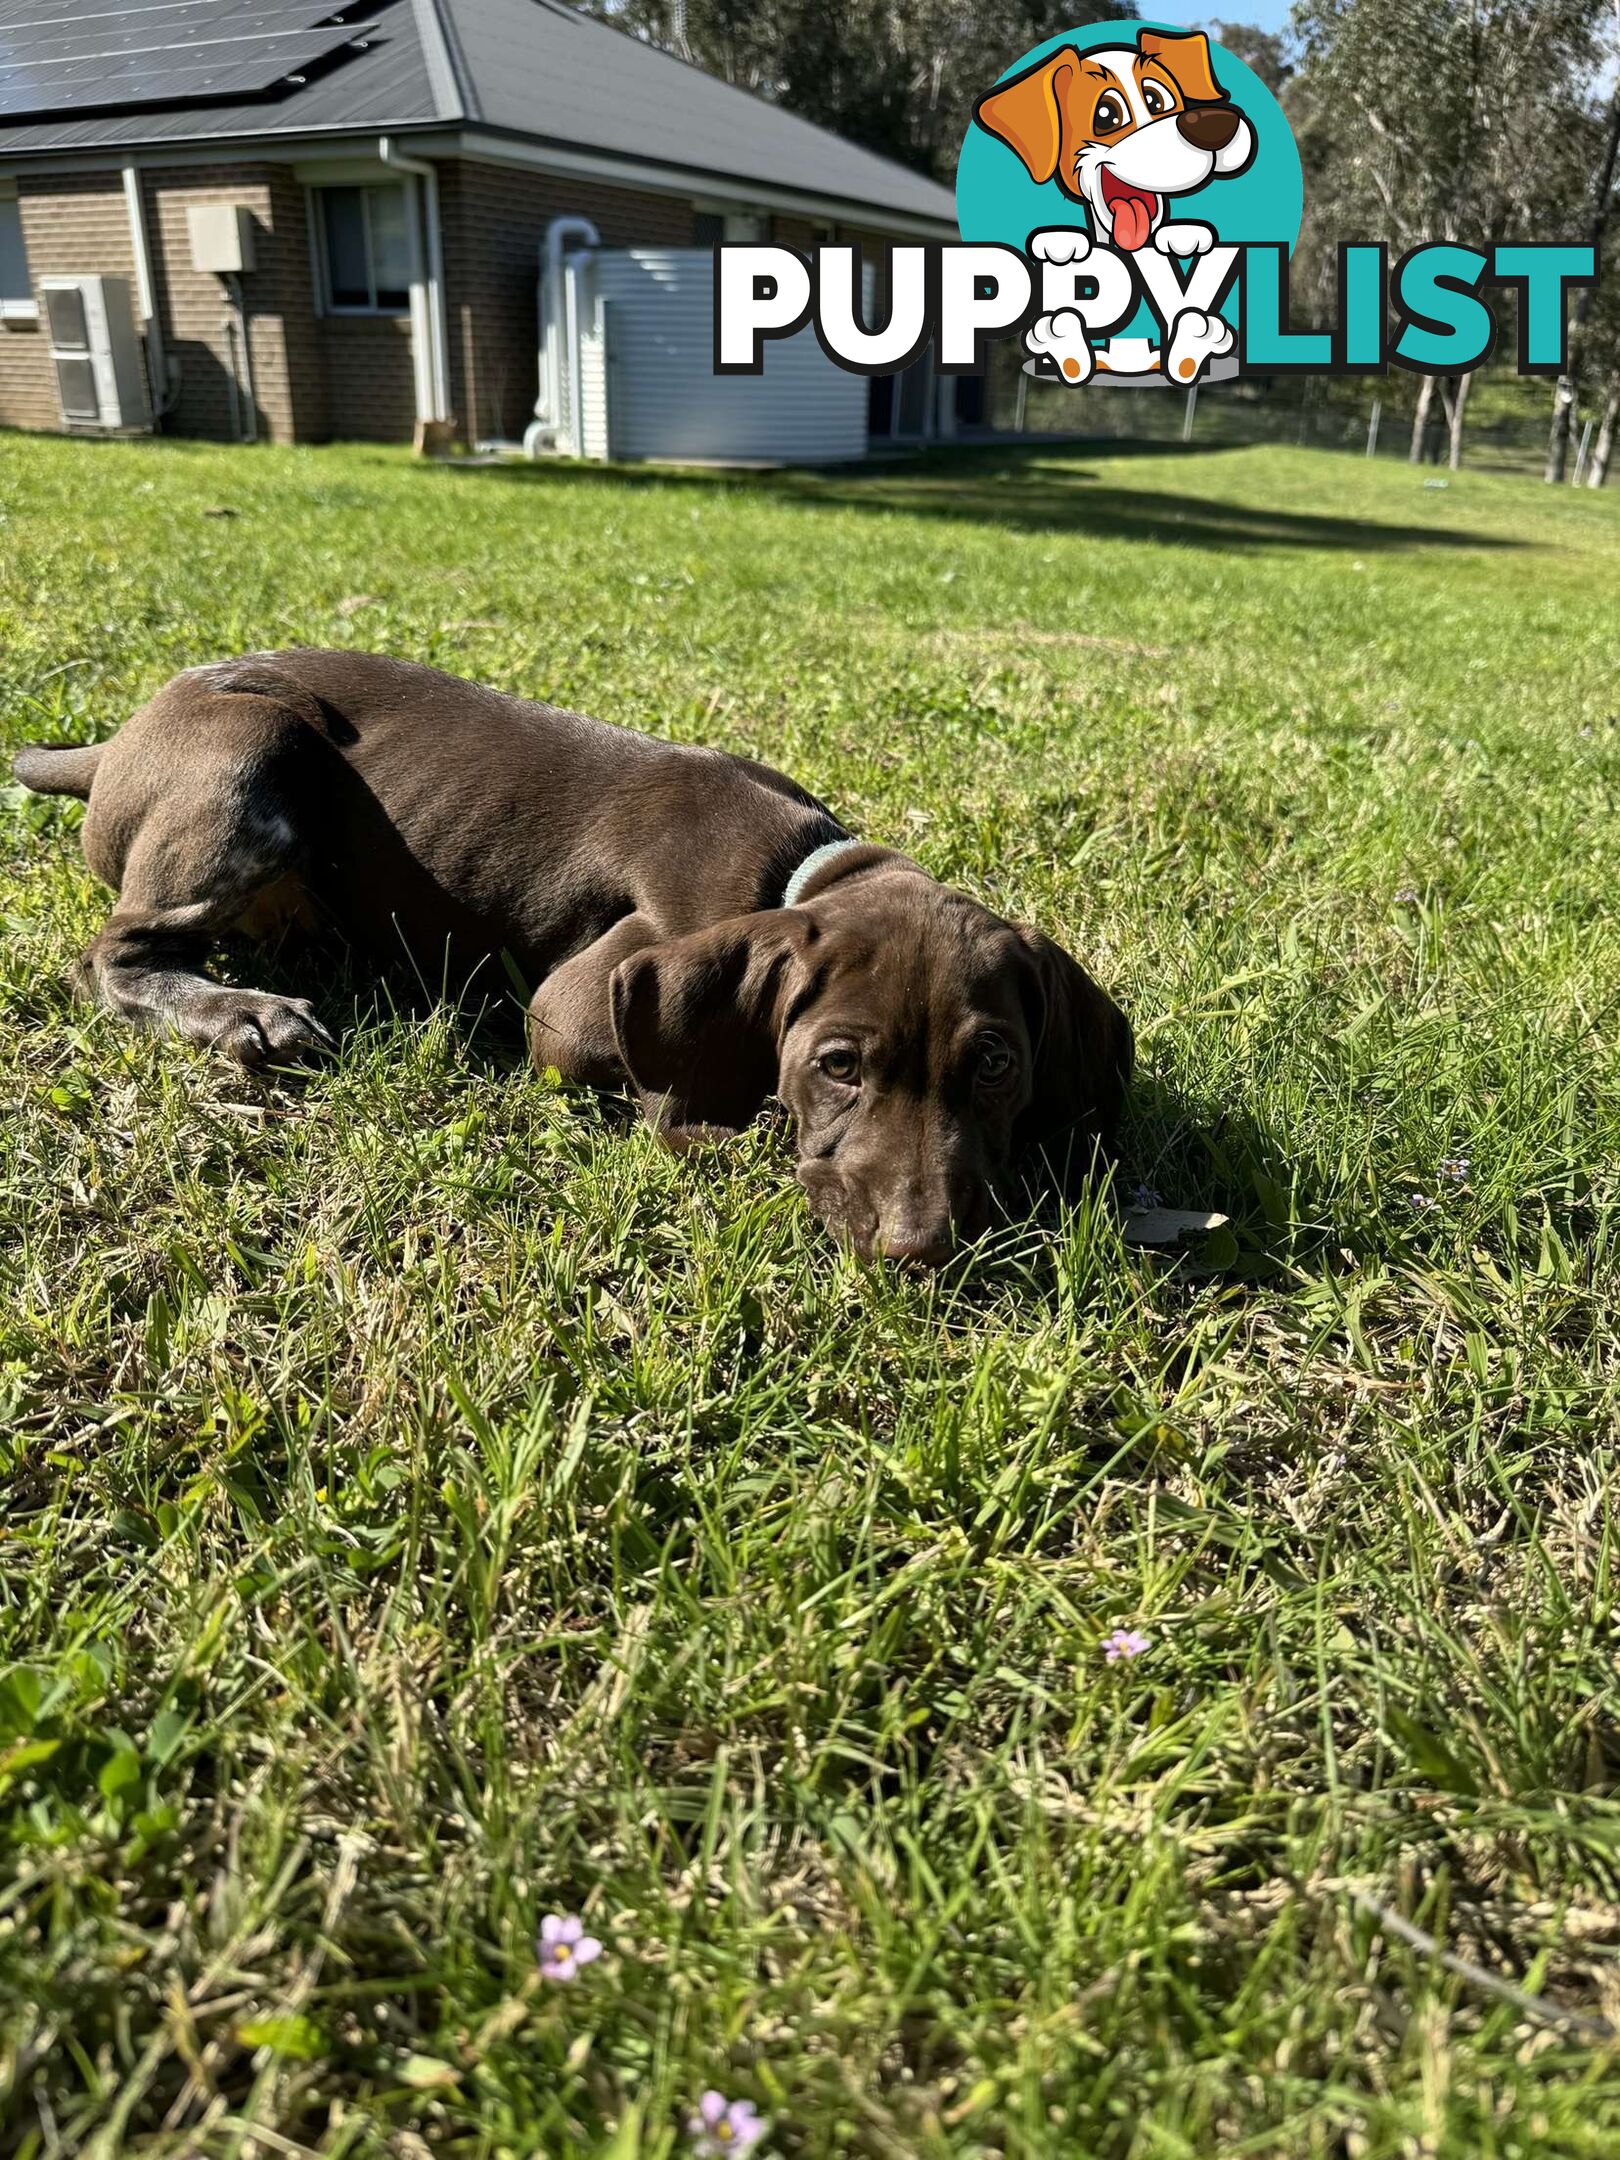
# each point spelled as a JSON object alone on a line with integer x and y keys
{"x": 200, "y": 857}
{"x": 147, "y": 965}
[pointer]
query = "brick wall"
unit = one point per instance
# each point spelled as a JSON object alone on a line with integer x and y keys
{"x": 347, "y": 375}
{"x": 73, "y": 225}
{"x": 342, "y": 375}
{"x": 370, "y": 377}
{"x": 193, "y": 306}
{"x": 494, "y": 219}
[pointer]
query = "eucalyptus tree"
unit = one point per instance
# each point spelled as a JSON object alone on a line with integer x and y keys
{"x": 1450, "y": 120}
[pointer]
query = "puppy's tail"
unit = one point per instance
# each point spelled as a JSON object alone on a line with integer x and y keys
{"x": 58, "y": 768}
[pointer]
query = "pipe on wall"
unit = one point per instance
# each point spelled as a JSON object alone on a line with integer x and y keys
{"x": 433, "y": 389}
{"x": 250, "y": 402}
{"x": 163, "y": 374}
{"x": 559, "y": 336}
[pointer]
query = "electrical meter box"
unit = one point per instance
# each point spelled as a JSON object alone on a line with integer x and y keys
{"x": 221, "y": 237}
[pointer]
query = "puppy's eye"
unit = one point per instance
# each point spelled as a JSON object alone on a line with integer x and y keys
{"x": 841, "y": 1063}
{"x": 1156, "y": 97}
{"x": 992, "y": 1060}
{"x": 1110, "y": 113}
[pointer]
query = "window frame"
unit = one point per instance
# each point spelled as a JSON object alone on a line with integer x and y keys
{"x": 24, "y": 313}
{"x": 373, "y": 308}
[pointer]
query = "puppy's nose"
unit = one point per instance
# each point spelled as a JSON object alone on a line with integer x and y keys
{"x": 917, "y": 1244}
{"x": 1208, "y": 127}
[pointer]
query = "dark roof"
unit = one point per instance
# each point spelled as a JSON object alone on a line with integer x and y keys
{"x": 382, "y": 84}
{"x": 533, "y": 69}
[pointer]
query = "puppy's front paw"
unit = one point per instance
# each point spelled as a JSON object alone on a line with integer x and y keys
{"x": 255, "y": 1028}
{"x": 1195, "y": 339}
{"x": 1060, "y": 244}
{"x": 1184, "y": 239}
{"x": 1061, "y": 338}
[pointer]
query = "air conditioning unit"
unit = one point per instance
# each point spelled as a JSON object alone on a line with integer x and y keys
{"x": 100, "y": 376}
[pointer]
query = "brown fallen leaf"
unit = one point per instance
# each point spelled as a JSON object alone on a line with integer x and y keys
{"x": 355, "y": 602}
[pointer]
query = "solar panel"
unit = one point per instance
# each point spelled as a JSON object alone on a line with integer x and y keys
{"x": 51, "y": 30}
{"x": 175, "y": 53}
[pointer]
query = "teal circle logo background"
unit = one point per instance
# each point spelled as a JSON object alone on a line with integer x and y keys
{"x": 996, "y": 200}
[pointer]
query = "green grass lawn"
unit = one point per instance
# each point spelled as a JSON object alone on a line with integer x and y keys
{"x": 428, "y": 1506}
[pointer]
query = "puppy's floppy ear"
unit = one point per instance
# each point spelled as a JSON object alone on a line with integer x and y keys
{"x": 1027, "y": 113}
{"x": 1187, "y": 56}
{"x": 697, "y": 1019}
{"x": 1084, "y": 1050}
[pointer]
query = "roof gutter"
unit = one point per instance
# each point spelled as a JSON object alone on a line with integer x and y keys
{"x": 429, "y": 323}
{"x": 625, "y": 171}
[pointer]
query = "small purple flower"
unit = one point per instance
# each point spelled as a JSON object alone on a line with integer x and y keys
{"x": 565, "y": 1946}
{"x": 1421, "y": 1202}
{"x": 1454, "y": 1167}
{"x": 723, "y": 2126}
{"x": 1125, "y": 1642}
{"x": 1408, "y": 896}
{"x": 1147, "y": 1196}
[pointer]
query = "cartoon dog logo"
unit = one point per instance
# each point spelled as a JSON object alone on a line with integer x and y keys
{"x": 1123, "y": 129}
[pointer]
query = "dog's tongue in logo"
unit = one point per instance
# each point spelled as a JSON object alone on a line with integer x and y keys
{"x": 1132, "y": 209}
{"x": 1121, "y": 129}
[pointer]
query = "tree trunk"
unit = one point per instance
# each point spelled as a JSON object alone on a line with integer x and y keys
{"x": 1459, "y": 405}
{"x": 1420, "y": 419}
{"x": 1564, "y": 398}
{"x": 1562, "y": 420}
{"x": 1598, "y": 471}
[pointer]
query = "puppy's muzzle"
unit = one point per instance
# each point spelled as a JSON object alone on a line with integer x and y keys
{"x": 1208, "y": 127}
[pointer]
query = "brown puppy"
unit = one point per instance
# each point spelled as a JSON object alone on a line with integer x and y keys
{"x": 699, "y": 926}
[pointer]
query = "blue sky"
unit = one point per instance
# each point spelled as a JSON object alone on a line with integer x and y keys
{"x": 1267, "y": 14}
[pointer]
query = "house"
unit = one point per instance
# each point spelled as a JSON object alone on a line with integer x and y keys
{"x": 293, "y": 220}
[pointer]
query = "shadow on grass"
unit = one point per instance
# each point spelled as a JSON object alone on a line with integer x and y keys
{"x": 1170, "y": 1154}
{"x": 354, "y": 994}
{"x": 1026, "y": 488}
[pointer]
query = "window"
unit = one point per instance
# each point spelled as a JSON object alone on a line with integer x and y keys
{"x": 366, "y": 243}
{"x": 16, "y": 293}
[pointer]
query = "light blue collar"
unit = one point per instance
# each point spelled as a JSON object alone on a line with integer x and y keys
{"x": 817, "y": 859}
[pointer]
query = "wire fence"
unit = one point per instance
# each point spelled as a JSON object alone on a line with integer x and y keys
{"x": 1360, "y": 418}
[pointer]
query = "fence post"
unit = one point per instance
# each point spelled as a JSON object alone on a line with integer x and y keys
{"x": 1372, "y": 427}
{"x": 1187, "y": 415}
{"x": 1580, "y": 455}
{"x": 1022, "y": 401}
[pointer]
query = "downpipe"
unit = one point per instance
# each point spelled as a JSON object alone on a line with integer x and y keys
{"x": 239, "y": 375}
{"x": 162, "y": 369}
{"x": 437, "y": 324}
{"x": 559, "y": 335}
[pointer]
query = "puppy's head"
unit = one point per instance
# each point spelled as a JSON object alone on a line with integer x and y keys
{"x": 921, "y": 1043}
{"x": 1122, "y": 127}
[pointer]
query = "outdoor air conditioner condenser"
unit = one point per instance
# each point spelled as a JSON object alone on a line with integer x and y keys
{"x": 100, "y": 376}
